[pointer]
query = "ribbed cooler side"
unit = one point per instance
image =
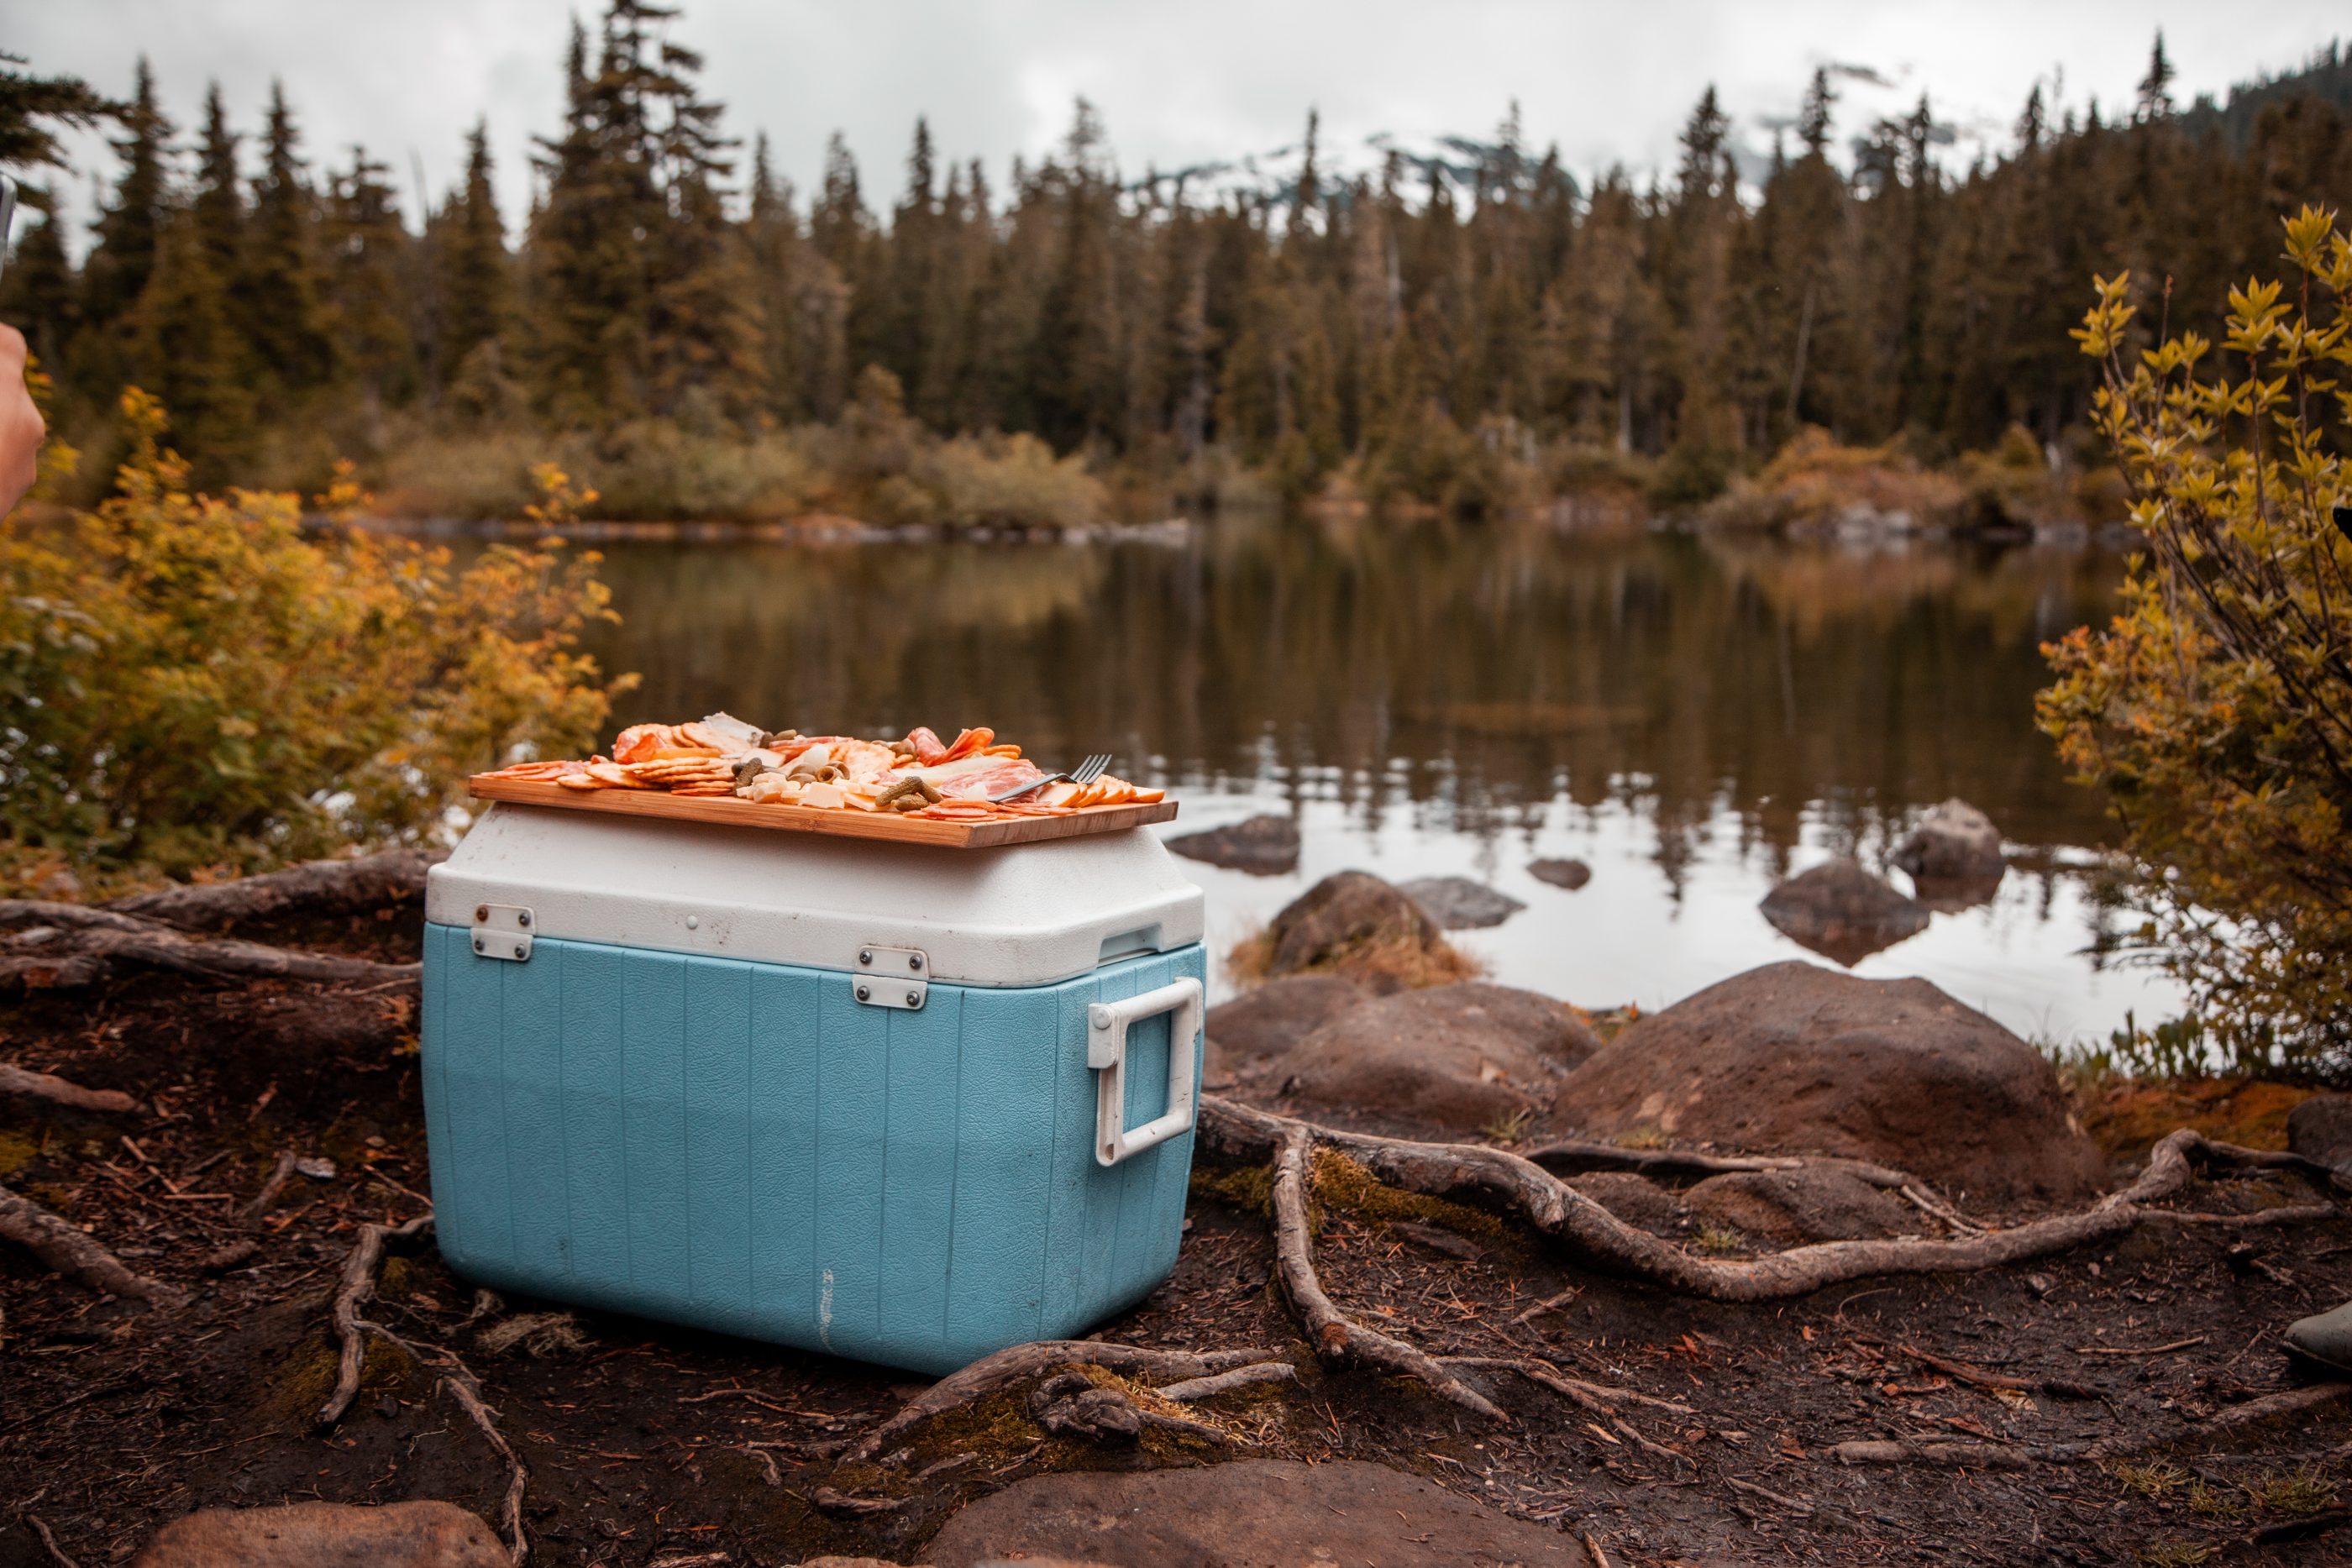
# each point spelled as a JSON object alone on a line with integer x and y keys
{"x": 745, "y": 1147}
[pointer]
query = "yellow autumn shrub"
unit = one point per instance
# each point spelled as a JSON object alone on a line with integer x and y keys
{"x": 193, "y": 683}
{"x": 2215, "y": 710}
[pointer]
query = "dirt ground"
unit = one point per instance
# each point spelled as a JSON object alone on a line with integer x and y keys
{"x": 646, "y": 1442}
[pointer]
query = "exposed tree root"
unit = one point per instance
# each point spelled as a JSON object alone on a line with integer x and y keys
{"x": 1577, "y": 1156}
{"x": 1976, "y": 1376}
{"x": 61, "y": 945}
{"x": 1192, "y": 1390}
{"x": 462, "y": 1384}
{"x": 15, "y": 1080}
{"x": 1336, "y": 1340}
{"x": 325, "y": 887}
{"x": 357, "y": 1285}
{"x": 49, "y": 1542}
{"x": 2274, "y": 1407}
{"x": 990, "y": 1373}
{"x": 1596, "y": 1398}
{"x": 63, "y": 1247}
{"x": 251, "y": 1214}
{"x": 1517, "y": 1187}
{"x": 1963, "y": 1454}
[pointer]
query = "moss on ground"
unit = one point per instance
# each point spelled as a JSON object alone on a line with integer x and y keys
{"x": 1249, "y": 1188}
{"x": 310, "y": 1372}
{"x": 1339, "y": 1182}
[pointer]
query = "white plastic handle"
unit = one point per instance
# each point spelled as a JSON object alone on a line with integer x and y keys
{"x": 1106, "y": 1027}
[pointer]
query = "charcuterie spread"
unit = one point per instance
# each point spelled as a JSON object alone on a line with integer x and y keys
{"x": 974, "y": 778}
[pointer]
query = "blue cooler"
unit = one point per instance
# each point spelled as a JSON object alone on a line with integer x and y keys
{"x": 905, "y": 1103}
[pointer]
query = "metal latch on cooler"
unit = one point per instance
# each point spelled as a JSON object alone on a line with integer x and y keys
{"x": 502, "y": 931}
{"x": 892, "y": 978}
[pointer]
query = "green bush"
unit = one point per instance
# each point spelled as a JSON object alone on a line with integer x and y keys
{"x": 197, "y": 682}
{"x": 2215, "y": 710}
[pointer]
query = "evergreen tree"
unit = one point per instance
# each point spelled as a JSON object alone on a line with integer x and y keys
{"x": 32, "y": 111}
{"x": 219, "y": 202}
{"x": 1075, "y": 356}
{"x": 2155, "y": 99}
{"x": 590, "y": 277}
{"x": 772, "y": 236}
{"x": 366, "y": 282}
{"x": 128, "y": 231}
{"x": 193, "y": 357}
{"x": 1418, "y": 324}
{"x": 475, "y": 283}
{"x": 282, "y": 286}
{"x": 40, "y": 292}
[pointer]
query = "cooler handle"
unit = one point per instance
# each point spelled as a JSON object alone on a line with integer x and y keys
{"x": 1106, "y": 1027}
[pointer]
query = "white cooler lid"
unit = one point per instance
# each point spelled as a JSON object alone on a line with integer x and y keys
{"x": 1023, "y": 915}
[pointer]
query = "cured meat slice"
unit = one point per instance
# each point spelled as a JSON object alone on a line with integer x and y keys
{"x": 979, "y": 783}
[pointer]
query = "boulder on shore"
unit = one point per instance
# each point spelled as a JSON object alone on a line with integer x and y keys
{"x": 1262, "y": 846}
{"x": 1348, "y": 909}
{"x": 2321, "y": 1129}
{"x": 1246, "y": 1511}
{"x": 1459, "y": 903}
{"x": 424, "y": 1534}
{"x": 1257, "y": 1029}
{"x": 1570, "y": 875}
{"x": 1796, "y": 1059}
{"x": 1451, "y": 1057}
{"x": 1635, "y": 1199}
{"x": 1788, "y": 1208}
{"x": 1843, "y": 912}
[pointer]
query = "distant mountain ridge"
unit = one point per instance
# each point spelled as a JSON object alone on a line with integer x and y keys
{"x": 1272, "y": 177}
{"x": 2327, "y": 76}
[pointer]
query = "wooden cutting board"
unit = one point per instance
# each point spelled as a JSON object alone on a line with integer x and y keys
{"x": 836, "y": 822}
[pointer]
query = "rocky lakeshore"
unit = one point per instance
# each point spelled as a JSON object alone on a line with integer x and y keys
{"x": 1805, "y": 1267}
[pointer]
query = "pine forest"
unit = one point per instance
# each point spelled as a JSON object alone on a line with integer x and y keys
{"x": 1463, "y": 338}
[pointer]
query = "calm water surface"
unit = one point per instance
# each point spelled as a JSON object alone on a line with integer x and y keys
{"x": 1696, "y": 717}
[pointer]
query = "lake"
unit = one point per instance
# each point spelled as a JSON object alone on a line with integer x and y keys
{"x": 1694, "y": 716}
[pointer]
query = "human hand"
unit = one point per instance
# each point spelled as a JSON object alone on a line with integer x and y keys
{"x": 21, "y": 430}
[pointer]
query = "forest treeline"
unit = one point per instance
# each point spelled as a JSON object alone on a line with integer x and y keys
{"x": 1404, "y": 334}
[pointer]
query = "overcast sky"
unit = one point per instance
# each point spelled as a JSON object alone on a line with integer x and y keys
{"x": 1177, "y": 84}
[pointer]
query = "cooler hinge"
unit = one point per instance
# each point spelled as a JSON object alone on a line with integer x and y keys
{"x": 503, "y": 931}
{"x": 892, "y": 978}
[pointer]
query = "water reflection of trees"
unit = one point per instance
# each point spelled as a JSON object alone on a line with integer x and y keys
{"x": 1466, "y": 676}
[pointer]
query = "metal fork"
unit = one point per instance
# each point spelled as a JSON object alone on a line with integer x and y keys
{"x": 1086, "y": 772}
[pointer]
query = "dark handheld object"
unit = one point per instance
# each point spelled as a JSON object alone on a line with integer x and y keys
{"x": 2343, "y": 521}
{"x": 7, "y": 217}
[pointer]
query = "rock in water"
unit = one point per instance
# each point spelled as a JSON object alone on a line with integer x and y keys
{"x": 1262, "y": 846}
{"x": 1842, "y": 911}
{"x": 1569, "y": 874}
{"x": 327, "y": 1535}
{"x": 2321, "y": 1129}
{"x": 1346, "y": 909}
{"x": 1451, "y": 1059}
{"x": 1253, "y": 1033}
{"x": 1247, "y": 1511}
{"x": 1459, "y": 903}
{"x": 1796, "y": 1059}
{"x": 1954, "y": 842}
